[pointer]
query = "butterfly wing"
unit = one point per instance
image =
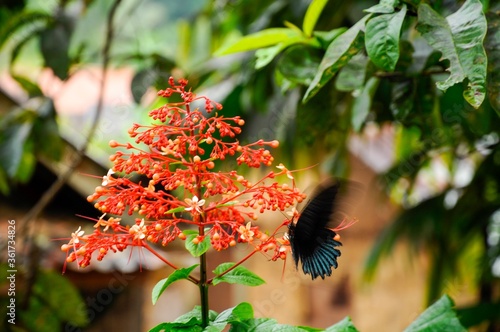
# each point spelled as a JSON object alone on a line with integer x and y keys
{"x": 312, "y": 243}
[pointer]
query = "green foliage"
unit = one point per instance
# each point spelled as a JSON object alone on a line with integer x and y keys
{"x": 162, "y": 285}
{"x": 44, "y": 311}
{"x": 238, "y": 275}
{"x": 196, "y": 249}
{"x": 438, "y": 317}
{"x": 430, "y": 69}
{"x": 337, "y": 55}
{"x": 382, "y": 39}
{"x": 459, "y": 38}
{"x": 27, "y": 133}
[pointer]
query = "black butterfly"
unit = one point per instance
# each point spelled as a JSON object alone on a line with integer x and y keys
{"x": 311, "y": 241}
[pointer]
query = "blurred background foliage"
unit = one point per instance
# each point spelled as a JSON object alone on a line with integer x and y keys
{"x": 316, "y": 73}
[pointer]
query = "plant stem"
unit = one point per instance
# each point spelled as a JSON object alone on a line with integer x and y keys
{"x": 203, "y": 290}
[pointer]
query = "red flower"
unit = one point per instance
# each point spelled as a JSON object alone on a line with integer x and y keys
{"x": 180, "y": 155}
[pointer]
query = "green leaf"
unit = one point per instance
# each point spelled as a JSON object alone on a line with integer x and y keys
{"x": 177, "y": 209}
{"x": 326, "y": 37}
{"x": 73, "y": 311}
{"x": 492, "y": 45}
{"x": 195, "y": 313}
{"x": 30, "y": 20}
{"x": 13, "y": 147}
{"x": 402, "y": 99}
{"x": 21, "y": 42}
{"x": 259, "y": 39}
{"x": 298, "y": 64}
{"x": 189, "y": 322}
{"x": 230, "y": 203}
{"x": 345, "y": 325}
{"x": 255, "y": 325}
{"x": 362, "y": 104}
{"x": 190, "y": 326}
{"x": 39, "y": 316}
{"x": 438, "y": 317}
{"x": 384, "y": 7}
{"x": 312, "y": 14}
{"x": 338, "y": 54}
{"x": 178, "y": 274}
{"x": 48, "y": 142}
{"x": 479, "y": 313}
{"x": 266, "y": 55}
{"x": 382, "y": 39}
{"x": 54, "y": 44}
{"x": 239, "y": 275}
{"x": 459, "y": 38}
{"x": 241, "y": 312}
{"x": 196, "y": 249}
{"x": 31, "y": 88}
{"x": 352, "y": 76}
{"x": 4, "y": 183}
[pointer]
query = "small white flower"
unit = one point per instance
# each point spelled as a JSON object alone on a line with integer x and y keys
{"x": 75, "y": 237}
{"x": 194, "y": 204}
{"x": 283, "y": 168}
{"x": 246, "y": 233}
{"x": 107, "y": 178}
{"x": 139, "y": 231}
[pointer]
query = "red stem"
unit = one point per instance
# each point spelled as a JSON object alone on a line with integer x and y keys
{"x": 163, "y": 259}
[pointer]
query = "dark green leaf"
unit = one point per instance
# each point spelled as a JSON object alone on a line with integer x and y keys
{"x": 298, "y": 64}
{"x": 161, "y": 285}
{"x": 326, "y": 37}
{"x": 479, "y": 313}
{"x": 402, "y": 99}
{"x": 338, "y": 54}
{"x": 195, "y": 313}
{"x": 141, "y": 82}
{"x": 4, "y": 183}
{"x": 20, "y": 43}
{"x": 362, "y": 104}
{"x": 312, "y": 14}
{"x": 254, "y": 325}
{"x": 54, "y": 44}
{"x": 345, "y": 325}
{"x": 259, "y": 39}
{"x": 31, "y": 88}
{"x": 459, "y": 38}
{"x": 30, "y": 20}
{"x": 73, "y": 311}
{"x": 352, "y": 76}
{"x": 384, "y": 7}
{"x": 241, "y": 312}
{"x": 438, "y": 317}
{"x": 196, "y": 249}
{"x": 190, "y": 326}
{"x": 13, "y": 147}
{"x": 46, "y": 132}
{"x": 492, "y": 45}
{"x": 266, "y": 55}
{"x": 177, "y": 209}
{"x": 189, "y": 322}
{"x": 239, "y": 275}
{"x": 382, "y": 39}
{"x": 39, "y": 316}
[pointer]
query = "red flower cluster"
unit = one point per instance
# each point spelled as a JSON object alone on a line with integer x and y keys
{"x": 179, "y": 156}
